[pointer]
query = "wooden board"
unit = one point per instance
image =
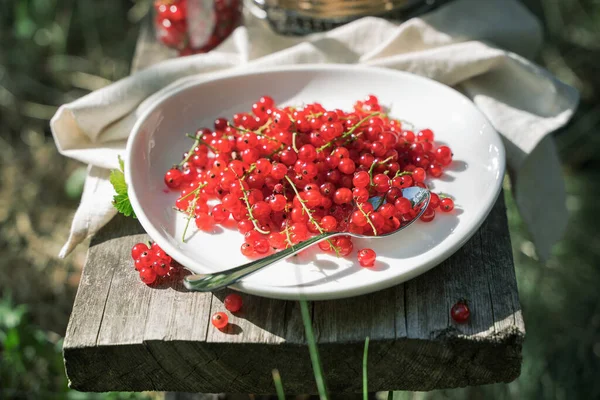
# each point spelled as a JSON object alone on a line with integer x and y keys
{"x": 125, "y": 336}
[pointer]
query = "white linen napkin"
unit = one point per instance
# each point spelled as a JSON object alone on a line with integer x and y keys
{"x": 481, "y": 48}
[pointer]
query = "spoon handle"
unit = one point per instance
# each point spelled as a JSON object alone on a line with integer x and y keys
{"x": 219, "y": 280}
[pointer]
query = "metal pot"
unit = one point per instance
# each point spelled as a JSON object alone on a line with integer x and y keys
{"x": 301, "y": 17}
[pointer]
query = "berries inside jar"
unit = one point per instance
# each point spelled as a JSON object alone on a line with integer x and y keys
{"x": 285, "y": 174}
{"x": 189, "y": 27}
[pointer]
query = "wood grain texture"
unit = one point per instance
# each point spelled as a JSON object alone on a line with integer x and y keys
{"x": 125, "y": 336}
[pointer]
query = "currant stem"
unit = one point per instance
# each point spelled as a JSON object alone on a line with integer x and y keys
{"x": 287, "y": 235}
{"x": 196, "y": 143}
{"x": 190, "y": 212}
{"x": 249, "y": 208}
{"x": 310, "y": 217}
{"x": 191, "y": 151}
{"x": 249, "y": 171}
{"x": 375, "y": 164}
{"x": 294, "y": 141}
{"x": 350, "y": 131}
{"x": 367, "y": 217}
{"x": 402, "y": 173}
{"x": 195, "y": 191}
{"x": 257, "y": 132}
{"x": 280, "y": 148}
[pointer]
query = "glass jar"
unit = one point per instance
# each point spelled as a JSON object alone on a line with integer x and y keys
{"x": 195, "y": 26}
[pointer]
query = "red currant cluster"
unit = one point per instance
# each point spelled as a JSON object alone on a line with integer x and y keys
{"x": 233, "y": 303}
{"x": 286, "y": 174}
{"x": 171, "y": 23}
{"x": 151, "y": 262}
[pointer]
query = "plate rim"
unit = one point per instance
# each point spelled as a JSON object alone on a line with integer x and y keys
{"x": 294, "y": 292}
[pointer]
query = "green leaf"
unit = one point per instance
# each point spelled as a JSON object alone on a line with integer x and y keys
{"x": 121, "y": 164}
{"x": 123, "y": 205}
{"x": 117, "y": 178}
{"x": 121, "y": 200}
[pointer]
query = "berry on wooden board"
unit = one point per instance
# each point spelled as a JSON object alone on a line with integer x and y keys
{"x": 233, "y": 302}
{"x": 219, "y": 320}
{"x": 460, "y": 312}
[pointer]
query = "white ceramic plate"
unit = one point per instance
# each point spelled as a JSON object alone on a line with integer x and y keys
{"x": 474, "y": 178}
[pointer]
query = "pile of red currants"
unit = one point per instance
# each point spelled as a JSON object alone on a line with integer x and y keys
{"x": 285, "y": 174}
{"x": 172, "y": 23}
{"x": 152, "y": 262}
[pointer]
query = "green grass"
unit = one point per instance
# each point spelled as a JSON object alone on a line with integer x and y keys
{"x": 314, "y": 351}
{"x": 278, "y": 385}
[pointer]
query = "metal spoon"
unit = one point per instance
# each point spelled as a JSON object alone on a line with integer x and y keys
{"x": 211, "y": 282}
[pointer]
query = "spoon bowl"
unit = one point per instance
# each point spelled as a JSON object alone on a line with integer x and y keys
{"x": 418, "y": 196}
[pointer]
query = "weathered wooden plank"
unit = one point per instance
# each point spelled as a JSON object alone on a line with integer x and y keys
{"x": 369, "y": 315}
{"x": 125, "y": 336}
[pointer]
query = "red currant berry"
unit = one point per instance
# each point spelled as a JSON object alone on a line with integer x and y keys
{"x": 261, "y": 210}
{"x": 267, "y": 101}
{"x": 312, "y": 198}
{"x": 418, "y": 175}
{"x": 342, "y": 196}
{"x": 347, "y": 166}
{"x": 233, "y": 302}
{"x": 278, "y": 171}
{"x": 446, "y": 204}
{"x": 219, "y": 213}
{"x": 219, "y": 320}
{"x": 428, "y": 215}
{"x": 204, "y": 221}
{"x": 443, "y": 155}
{"x": 403, "y": 205}
{"x": 392, "y": 195}
{"x": 277, "y": 240}
{"x": 138, "y": 249}
{"x": 247, "y": 249}
{"x": 307, "y": 153}
{"x": 381, "y": 183}
{"x": 378, "y": 220}
{"x": 345, "y": 246}
{"x": 460, "y": 312}
{"x": 148, "y": 276}
{"x": 277, "y": 202}
{"x": 328, "y": 223}
{"x": 435, "y": 170}
{"x": 366, "y": 257}
{"x": 360, "y": 194}
{"x": 361, "y": 179}
{"x": 281, "y": 119}
{"x": 173, "y": 178}
{"x": 160, "y": 267}
{"x": 426, "y": 135}
{"x": 261, "y": 246}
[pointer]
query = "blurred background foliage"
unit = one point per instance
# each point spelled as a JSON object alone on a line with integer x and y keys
{"x": 54, "y": 51}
